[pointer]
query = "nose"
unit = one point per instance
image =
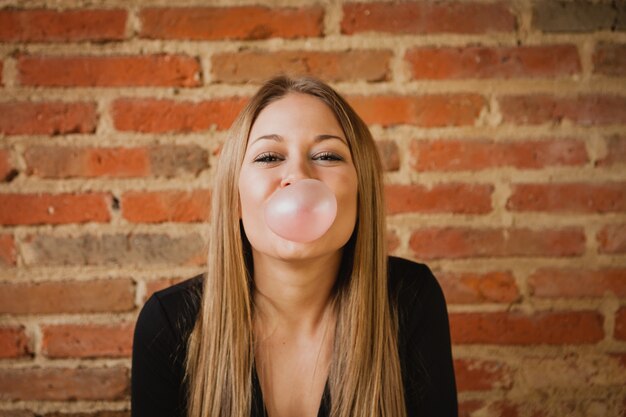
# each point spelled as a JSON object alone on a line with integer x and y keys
{"x": 295, "y": 170}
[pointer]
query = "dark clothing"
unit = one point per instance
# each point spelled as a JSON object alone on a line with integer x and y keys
{"x": 166, "y": 319}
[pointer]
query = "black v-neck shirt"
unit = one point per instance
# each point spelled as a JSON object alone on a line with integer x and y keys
{"x": 166, "y": 319}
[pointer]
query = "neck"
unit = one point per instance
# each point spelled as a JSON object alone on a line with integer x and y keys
{"x": 294, "y": 296}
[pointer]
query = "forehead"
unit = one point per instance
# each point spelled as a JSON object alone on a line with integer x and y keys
{"x": 296, "y": 112}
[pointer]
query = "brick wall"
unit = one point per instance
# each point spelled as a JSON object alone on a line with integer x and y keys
{"x": 502, "y": 127}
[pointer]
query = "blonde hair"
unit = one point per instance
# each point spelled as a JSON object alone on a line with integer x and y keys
{"x": 365, "y": 377}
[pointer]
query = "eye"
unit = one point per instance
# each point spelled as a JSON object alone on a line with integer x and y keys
{"x": 267, "y": 158}
{"x": 328, "y": 156}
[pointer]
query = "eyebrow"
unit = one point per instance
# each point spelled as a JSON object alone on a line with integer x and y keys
{"x": 317, "y": 138}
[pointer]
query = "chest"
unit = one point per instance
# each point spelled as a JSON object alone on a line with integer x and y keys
{"x": 292, "y": 377}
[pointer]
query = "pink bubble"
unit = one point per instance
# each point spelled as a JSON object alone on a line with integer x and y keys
{"x": 301, "y": 212}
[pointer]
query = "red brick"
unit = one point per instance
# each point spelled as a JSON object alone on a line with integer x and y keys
{"x": 47, "y": 118}
{"x": 40, "y": 25}
{"x": 436, "y": 110}
{"x": 166, "y": 206}
{"x": 506, "y": 328}
{"x": 422, "y": 17}
{"x": 8, "y": 255}
{"x": 584, "y": 110}
{"x": 610, "y": 59}
{"x": 472, "y": 288}
{"x": 440, "y": 198}
{"x": 620, "y": 324}
{"x": 63, "y": 384}
{"x": 109, "y": 71}
{"x": 13, "y": 342}
{"x": 246, "y": 22}
{"x": 160, "y": 284}
{"x": 161, "y": 116}
{"x": 389, "y": 154}
{"x": 258, "y": 66}
{"x": 490, "y": 62}
{"x": 577, "y": 16}
{"x": 6, "y": 165}
{"x": 570, "y": 197}
{"x": 54, "y": 208}
{"x": 475, "y": 155}
{"x": 159, "y": 160}
{"x": 106, "y": 295}
{"x": 577, "y": 282}
{"x": 87, "y": 340}
{"x": 615, "y": 153}
{"x": 464, "y": 242}
{"x": 612, "y": 238}
{"x": 114, "y": 250}
{"x": 1, "y": 72}
{"x": 481, "y": 375}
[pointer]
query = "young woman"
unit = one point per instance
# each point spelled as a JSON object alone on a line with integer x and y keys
{"x": 283, "y": 325}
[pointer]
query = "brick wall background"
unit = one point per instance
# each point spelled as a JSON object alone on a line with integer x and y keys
{"x": 502, "y": 127}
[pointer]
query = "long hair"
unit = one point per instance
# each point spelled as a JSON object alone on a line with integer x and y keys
{"x": 364, "y": 378}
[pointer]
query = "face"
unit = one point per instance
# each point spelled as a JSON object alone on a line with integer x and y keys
{"x": 294, "y": 138}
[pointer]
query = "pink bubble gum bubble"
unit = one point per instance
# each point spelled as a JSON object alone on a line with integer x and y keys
{"x": 301, "y": 212}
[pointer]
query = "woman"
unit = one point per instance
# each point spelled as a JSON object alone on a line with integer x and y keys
{"x": 284, "y": 328}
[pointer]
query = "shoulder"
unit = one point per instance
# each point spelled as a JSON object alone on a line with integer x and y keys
{"x": 415, "y": 293}
{"x": 174, "y": 307}
{"x": 409, "y": 279}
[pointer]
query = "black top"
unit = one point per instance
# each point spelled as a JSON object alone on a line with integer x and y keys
{"x": 424, "y": 347}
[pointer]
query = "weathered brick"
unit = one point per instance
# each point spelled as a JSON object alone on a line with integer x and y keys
{"x": 87, "y": 340}
{"x": 436, "y": 110}
{"x": 166, "y": 206}
{"x": 472, "y": 288}
{"x": 612, "y": 238}
{"x": 159, "y": 160}
{"x": 472, "y": 408}
{"x": 114, "y": 249}
{"x": 584, "y": 110}
{"x": 475, "y": 155}
{"x": 389, "y": 154}
{"x": 610, "y": 59}
{"x": 40, "y": 25}
{"x": 99, "y": 413}
{"x": 54, "y": 208}
{"x": 17, "y": 413}
{"x": 7, "y": 169}
{"x": 423, "y": 17}
{"x": 175, "y": 160}
{"x": 507, "y": 328}
{"x": 615, "y": 152}
{"x": 481, "y": 375}
{"x": 105, "y": 295}
{"x": 63, "y": 384}
{"x": 258, "y": 66}
{"x": 8, "y": 253}
{"x": 393, "y": 241}
{"x": 161, "y": 116}
{"x": 13, "y": 342}
{"x": 577, "y": 16}
{"x": 464, "y": 242}
{"x": 571, "y": 371}
{"x": 109, "y": 71}
{"x": 440, "y": 198}
{"x": 577, "y": 282}
{"x": 620, "y": 324}
{"x": 569, "y": 197}
{"x": 47, "y": 118}
{"x": 493, "y": 62}
{"x": 245, "y": 22}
